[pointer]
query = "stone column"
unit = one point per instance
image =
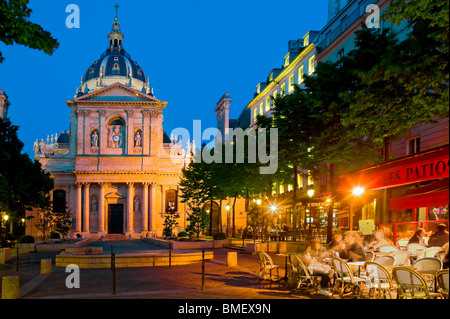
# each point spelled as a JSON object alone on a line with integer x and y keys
{"x": 152, "y": 207}
{"x": 101, "y": 207}
{"x": 146, "y": 132}
{"x": 79, "y": 208}
{"x": 130, "y": 215}
{"x": 144, "y": 227}
{"x": 86, "y": 208}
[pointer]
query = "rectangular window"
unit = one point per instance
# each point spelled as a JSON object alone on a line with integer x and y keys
{"x": 261, "y": 109}
{"x": 274, "y": 94}
{"x": 283, "y": 89}
{"x": 414, "y": 146}
{"x": 268, "y": 105}
{"x": 254, "y": 113}
{"x": 291, "y": 83}
{"x": 301, "y": 74}
{"x": 312, "y": 65}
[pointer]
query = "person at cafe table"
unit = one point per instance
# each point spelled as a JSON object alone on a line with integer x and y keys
{"x": 440, "y": 237}
{"x": 354, "y": 250}
{"x": 418, "y": 237}
{"x": 378, "y": 242}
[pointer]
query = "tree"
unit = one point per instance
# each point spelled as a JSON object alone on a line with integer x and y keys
{"x": 23, "y": 182}
{"x": 62, "y": 222}
{"x": 16, "y": 28}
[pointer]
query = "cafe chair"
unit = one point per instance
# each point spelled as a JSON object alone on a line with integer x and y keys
{"x": 345, "y": 280}
{"x": 305, "y": 279}
{"x": 427, "y": 264}
{"x": 411, "y": 284}
{"x": 402, "y": 258}
{"x": 415, "y": 248}
{"x": 379, "y": 281}
{"x": 385, "y": 260}
{"x": 388, "y": 249}
{"x": 266, "y": 266}
{"x": 428, "y": 252}
{"x": 369, "y": 255}
{"x": 442, "y": 282}
{"x": 428, "y": 267}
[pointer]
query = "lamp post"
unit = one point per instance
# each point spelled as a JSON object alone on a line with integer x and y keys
{"x": 310, "y": 195}
{"x": 227, "y": 208}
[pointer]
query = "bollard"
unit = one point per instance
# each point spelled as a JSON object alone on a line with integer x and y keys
{"x": 203, "y": 270}
{"x": 170, "y": 255}
{"x": 46, "y": 266}
{"x": 11, "y": 287}
{"x": 231, "y": 259}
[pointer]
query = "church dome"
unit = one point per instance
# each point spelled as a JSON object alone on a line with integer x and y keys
{"x": 114, "y": 65}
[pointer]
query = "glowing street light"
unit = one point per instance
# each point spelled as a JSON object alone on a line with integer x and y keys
{"x": 358, "y": 191}
{"x": 311, "y": 192}
{"x": 5, "y": 217}
{"x": 258, "y": 201}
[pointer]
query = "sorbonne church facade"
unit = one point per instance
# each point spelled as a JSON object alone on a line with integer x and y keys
{"x": 116, "y": 171}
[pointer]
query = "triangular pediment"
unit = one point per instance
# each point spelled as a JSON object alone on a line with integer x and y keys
{"x": 116, "y": 92}
{"x": 115, "y": 195}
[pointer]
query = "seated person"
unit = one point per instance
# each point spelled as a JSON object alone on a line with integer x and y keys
{"x": 379, "y": 241}
{"x": 353, "y": 247}
{"x": 440, "y": 237}
{"x": 336, "y": 245}
{"x": 417, "y": 237}
{"x": 312, "y": 258}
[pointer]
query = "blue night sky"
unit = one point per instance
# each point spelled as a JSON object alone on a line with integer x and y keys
{"x": 192, "y": 51}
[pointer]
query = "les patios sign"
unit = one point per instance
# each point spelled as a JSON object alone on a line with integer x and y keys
{"x": 429, "y": 166}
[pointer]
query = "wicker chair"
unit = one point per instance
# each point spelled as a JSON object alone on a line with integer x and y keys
{"x": 266, "y": 266}
{"x": 415, "y": 248}
{"x": 411, "y": 284}
{"x": 429, "y": 252}
{"x": 388, "y": 249}
{"x": 386, "y": 260}
{"x": 345, "y": 280}
{"x": 442, "y": 282}
{"x": 379, "y": 280}
{"x": 402, "y": 258}
{"x": 305, "y": 279}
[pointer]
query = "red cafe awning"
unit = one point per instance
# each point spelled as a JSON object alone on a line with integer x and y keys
{"x": 431, "y": 165}
{"x": 435, "y": 194}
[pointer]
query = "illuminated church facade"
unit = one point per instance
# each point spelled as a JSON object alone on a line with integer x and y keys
{"x": 115, "y": 170}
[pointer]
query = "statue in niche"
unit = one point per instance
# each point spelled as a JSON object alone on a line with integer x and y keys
{"x": 94, "y": 204}
{"x": 137, "y": 205}
{"x": 94, "y": 139}
{"x": 137, "y": 139}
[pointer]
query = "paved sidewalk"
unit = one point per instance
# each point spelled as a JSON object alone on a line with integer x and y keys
{"x": 178, "y": 282}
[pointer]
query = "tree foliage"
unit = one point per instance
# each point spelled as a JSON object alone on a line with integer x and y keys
{"x": 15, "y": 27}
{"x": 23, "y": 182}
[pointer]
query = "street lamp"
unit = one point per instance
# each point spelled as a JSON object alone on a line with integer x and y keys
{"x": 358, "y": 191}
{"x": 227, "y": 208}
{"x": 310, "y": 194}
